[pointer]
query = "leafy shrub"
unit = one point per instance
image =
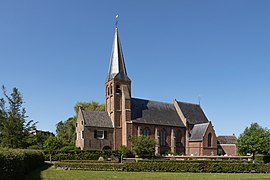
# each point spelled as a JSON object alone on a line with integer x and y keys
{"x": 87, "y": 161}
{"x": 91, "y": 166}
{"x": 192, "y": 161}
{"x": 59, "y": 155}
{"x": 266, "y": 159}
{"x": 143, "y": 146}
{"x": 262, "y": 158}
{"x": 184, "y": 166}
{"x": 206, "y": 167}
{"x": 259, "y": 158}
{"x": 16, "y": 162}
{"x": 69, "y": 148}
{"x": 125, "y": 151}
{"x": 36, "y": 147}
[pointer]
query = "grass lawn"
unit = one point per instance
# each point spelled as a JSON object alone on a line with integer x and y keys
{"x": 53, "y": 174}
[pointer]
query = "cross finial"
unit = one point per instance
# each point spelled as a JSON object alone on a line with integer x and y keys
{"x": 116, "y": 21}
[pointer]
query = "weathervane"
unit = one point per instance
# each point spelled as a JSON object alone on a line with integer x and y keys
{"x": 116, "y": 21}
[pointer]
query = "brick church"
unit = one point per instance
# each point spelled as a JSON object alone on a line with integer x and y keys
{"x": 178, "y": 127}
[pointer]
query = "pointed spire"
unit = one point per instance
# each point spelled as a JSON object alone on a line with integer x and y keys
{"x": 117, "y": 68}
{"x": 116, "y": 21}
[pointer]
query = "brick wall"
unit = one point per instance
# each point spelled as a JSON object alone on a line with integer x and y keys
{"x": 212, "y": 150}
{"x": 90, "y": 142}
{"x": 138, "y": 129}
{"x": 79, "y": 131}
{"x": 228, "y": 149}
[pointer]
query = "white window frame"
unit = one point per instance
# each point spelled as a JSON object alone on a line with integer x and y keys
{"x": 100, "y": 134}
{"x": 146, "y": 131}
{"x": 82, "y": 134}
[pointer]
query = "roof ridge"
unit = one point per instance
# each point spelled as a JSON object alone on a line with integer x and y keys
{"x": 187, "y": 103}
{"x": 226, "y": 136}
{"x": 93, "y": 110}
{"x": 202, "y": 123}
{"x": 206, "y": 128}
{"x": 153, "y": 101}
{"x": 97, "y": 118}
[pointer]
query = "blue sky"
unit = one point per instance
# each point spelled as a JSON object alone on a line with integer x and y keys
{"x": 57, "y": 53}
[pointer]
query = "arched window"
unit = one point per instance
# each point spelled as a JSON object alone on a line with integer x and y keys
{"x": 209, "y": 140}
{"x": 178, "y": 138}
{"x": 118, "y": 90}
{"x": 111, "y": 90}
{"x": 146, "y": 132}
{"x": 108, "y": 90}
{"x": 162, "y": 137}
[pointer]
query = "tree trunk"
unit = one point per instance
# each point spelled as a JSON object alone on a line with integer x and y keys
{"x": 253, "y": 157}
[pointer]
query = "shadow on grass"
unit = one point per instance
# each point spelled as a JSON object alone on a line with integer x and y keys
{"x": 36, "y": 174}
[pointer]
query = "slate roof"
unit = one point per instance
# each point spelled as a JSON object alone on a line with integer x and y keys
{"x": 153, "y": 112}
{"x": 97, "y": 118}
{"x": 117, "y": 68}
{"x": 198, "y": 132}
{"x": 227, "y": 139}
{"x": 193, "y": 113}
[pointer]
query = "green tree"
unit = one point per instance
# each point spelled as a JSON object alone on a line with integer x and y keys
{"x": 254, "y": 140}
{"x": 143, "y": 146}
{"x": 93, "y": 105}
{"x": 3, "y": 116}
{"x": 51, "y": 144}
{"x": 38, "y": 138}
{"x": 14, "y": 128}
{"x": 66, "y": 131}
{"x": 125, "y": 151}
{"x": 42, "y": 136}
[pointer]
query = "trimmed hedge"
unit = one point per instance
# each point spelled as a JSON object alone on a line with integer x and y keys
{"x": 90, "y": 166}
{"x": 60, "y": 155}
{"x": 262, "y": 158}
{"x": 87, "y": 161}
{"x": 14, "y": 163}
{"x": 196, "y": 167}
{"x": 192, "y": 161}
{"x": 206, "y": 167}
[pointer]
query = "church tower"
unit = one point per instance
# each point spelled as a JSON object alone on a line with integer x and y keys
{"x": 118, "y": 93}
